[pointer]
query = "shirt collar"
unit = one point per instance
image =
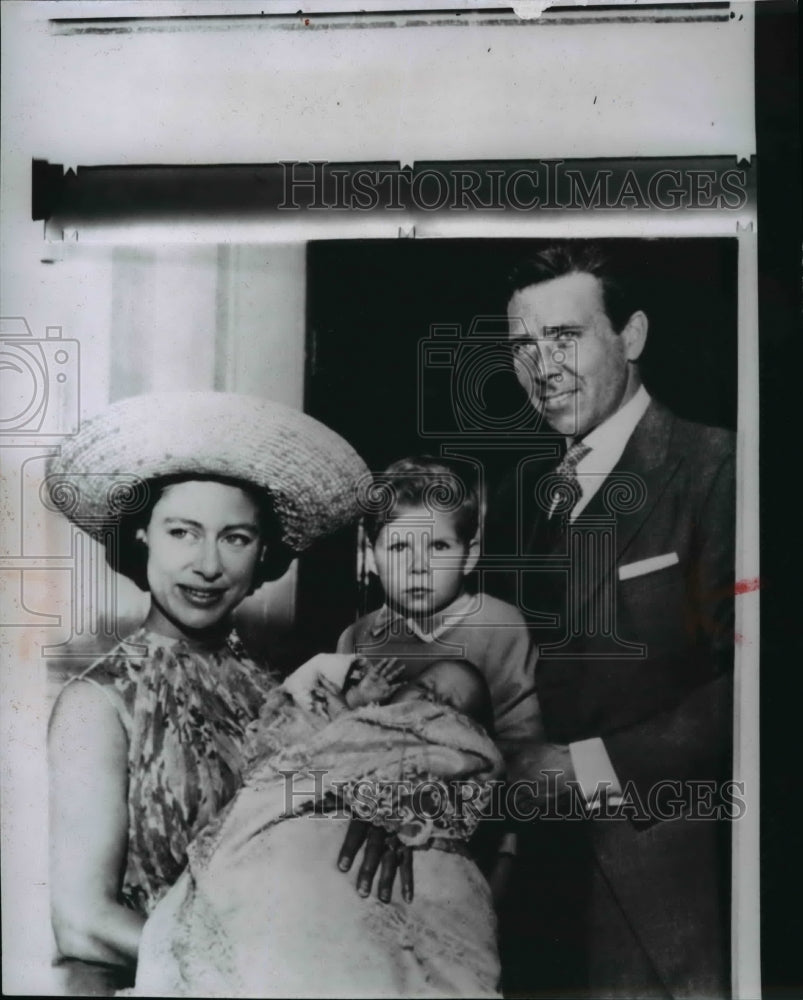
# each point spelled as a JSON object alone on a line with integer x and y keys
{"x": 442, "y": 620}
{"x": 607, "y": 441}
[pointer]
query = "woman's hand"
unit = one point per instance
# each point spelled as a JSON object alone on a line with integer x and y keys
{"x": 332, "y": 666}
{"x": 380, "y": 850}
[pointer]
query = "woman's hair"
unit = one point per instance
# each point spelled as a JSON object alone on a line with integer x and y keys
{"x": 425, "y": 481}
{"x": 128, "y": 555}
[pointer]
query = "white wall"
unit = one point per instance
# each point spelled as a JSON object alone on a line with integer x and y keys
{"x": 154, "y": 318}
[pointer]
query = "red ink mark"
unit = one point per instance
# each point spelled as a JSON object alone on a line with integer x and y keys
{"x": 306, "y": 21}
{"x": 746, "y": 586}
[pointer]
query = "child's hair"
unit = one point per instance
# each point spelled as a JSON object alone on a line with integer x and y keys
{"x": 425, "y": 481}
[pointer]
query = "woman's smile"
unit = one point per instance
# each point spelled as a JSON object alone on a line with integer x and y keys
{"x": 202, "y": 596}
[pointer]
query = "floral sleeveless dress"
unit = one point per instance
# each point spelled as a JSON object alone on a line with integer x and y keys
{"x": 185, "y": 710}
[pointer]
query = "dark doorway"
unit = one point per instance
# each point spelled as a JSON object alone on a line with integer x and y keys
{"x": 405, "y": 354}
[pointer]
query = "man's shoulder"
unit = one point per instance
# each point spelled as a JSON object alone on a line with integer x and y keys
{"x": 703, "y": 437}
{"x": 703, "y": 447}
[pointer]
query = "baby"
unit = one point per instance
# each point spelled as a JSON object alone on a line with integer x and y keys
{"x": 456, "y": 683}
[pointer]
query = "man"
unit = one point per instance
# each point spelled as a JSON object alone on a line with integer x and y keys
{"x": 624, "y": 565}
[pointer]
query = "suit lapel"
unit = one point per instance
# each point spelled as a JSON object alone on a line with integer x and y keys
{"x": 647, "y": 457}
{"x": 537, "y": 530}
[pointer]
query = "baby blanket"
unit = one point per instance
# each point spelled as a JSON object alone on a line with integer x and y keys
{"x": 262, "y": 910}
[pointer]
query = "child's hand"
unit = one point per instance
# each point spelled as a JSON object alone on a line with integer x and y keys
{"x": 327, "y": 699}
{"x": 377, "y": 684}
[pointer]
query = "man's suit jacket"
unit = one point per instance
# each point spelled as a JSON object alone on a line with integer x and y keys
{"x": 658, "y": 690}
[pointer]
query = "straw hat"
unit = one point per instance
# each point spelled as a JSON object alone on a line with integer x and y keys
{"x": 310, "y": 471}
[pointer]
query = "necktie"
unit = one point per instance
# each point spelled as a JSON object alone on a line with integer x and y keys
{"x": 569, "y": 484}
{"x": 556, "y": 495}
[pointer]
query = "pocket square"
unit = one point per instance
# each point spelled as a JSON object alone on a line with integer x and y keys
{"x": 650, "y": 565}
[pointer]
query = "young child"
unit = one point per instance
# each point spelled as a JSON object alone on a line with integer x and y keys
{"x": 425, "y": 543}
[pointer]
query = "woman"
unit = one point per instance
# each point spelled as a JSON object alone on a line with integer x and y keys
{"x": 212, "y": 494}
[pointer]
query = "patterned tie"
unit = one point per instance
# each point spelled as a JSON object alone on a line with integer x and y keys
{"x": 567, "y": 470}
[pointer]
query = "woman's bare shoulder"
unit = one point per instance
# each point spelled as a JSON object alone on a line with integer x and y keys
{"x": 104, "y": 689}
{"x": 88, "y": 712}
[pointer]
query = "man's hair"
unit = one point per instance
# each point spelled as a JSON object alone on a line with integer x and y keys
{"x": 579, "y": 257}
{"x": 425, "y": 481}
{"x": 130, "y": 555}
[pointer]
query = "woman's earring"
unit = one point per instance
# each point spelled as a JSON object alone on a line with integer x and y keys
{"x": 140, "y": 536}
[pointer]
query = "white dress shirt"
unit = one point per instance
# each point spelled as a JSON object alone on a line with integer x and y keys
{"x": 607, "y": 442}
{"x": 592, "y": 765}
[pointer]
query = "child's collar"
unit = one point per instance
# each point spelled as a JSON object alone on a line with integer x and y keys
{"x": 440, "y": 622}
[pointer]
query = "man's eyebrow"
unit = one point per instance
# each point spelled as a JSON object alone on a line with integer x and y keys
{"x": 563, "y": 328}
{"x": 547, "y": 332}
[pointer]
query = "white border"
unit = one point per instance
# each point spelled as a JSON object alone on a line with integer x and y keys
{"x": 29, "y": 90}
